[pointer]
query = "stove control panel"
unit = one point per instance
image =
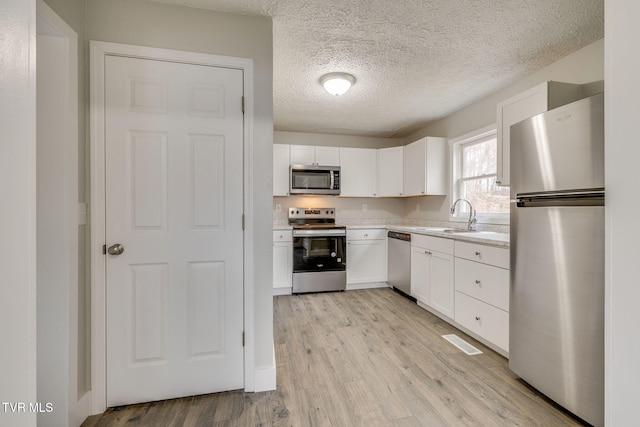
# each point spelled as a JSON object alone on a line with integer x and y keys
{"x": 312, "y": 213}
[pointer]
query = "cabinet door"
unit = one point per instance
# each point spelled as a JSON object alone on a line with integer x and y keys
{"x": 302, "y": 154}
{"x": 390, "y": 172}
{"x": 358, "y": 172}
{"x": 420, "y": 274}
{"x": 280, "y": 170}
{"x": 415, "y": 168}
{"x": 282, "y": 264}
{"x": 366, "y": 261}
{"x": 328, "y": 156}
{"x": 436, "y": 166}
{"x": 487, "y": 321}
{"x": 441, "y": 285}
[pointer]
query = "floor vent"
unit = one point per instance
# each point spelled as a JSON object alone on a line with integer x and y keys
{"x": 462, "y": 344}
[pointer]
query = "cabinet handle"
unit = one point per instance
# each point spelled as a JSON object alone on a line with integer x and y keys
{"x": 281, "y": 236}
{"x": 498, "y": 182}
{"x": 477, "y": 318}
{"x": 477, "y": 253}
{"x": 477, "y": 282}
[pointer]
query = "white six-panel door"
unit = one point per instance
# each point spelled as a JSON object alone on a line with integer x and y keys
{"x": 174, "y": 201}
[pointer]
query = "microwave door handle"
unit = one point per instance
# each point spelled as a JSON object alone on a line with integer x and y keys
{"x": 332, "y": 180}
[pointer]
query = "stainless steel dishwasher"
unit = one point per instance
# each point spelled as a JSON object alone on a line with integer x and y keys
{"x": 399, "y": 268}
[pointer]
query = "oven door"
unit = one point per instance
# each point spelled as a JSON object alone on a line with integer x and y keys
{"x": 319, "y": 250}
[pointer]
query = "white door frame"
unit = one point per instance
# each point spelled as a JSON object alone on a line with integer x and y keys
{"x": 99, "y": 51}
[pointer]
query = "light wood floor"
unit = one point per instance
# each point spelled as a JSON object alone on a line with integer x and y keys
{"x": 362, "y": 358}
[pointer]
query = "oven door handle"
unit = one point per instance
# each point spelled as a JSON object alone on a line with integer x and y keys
{"x": 319, "y": 233}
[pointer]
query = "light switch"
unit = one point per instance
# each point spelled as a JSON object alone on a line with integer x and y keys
{"x": 82, "y": 214}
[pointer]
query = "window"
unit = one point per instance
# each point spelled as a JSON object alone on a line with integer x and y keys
{"x": 475, "y": 158}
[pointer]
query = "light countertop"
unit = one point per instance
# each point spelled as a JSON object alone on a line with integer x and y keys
{"x": 483, "y": 237}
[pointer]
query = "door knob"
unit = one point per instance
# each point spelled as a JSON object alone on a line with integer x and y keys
{"x": 115, "y": 249}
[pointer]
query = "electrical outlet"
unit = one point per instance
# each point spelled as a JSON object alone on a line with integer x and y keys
{"x": 278, "y": 207}
{"x": 364, "y": 207}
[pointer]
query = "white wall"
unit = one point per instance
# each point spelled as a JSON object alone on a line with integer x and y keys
{"x": 54, "y": 248}
{"x": 584, "y": 66}
{"x": 622, "y": 154}
{"x": 18, "y": 211}
{"x": 73, "y": 14}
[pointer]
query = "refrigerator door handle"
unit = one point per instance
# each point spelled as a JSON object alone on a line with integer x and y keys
{"x": 590, "y": 197}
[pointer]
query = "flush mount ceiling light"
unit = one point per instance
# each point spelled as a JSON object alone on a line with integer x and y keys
{"x": 337, "y": 83}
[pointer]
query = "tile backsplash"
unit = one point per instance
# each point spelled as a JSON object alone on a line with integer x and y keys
{"x": 365, "y": 211}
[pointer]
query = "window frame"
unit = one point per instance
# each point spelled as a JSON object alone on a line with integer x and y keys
{"x": 456, "y": 145}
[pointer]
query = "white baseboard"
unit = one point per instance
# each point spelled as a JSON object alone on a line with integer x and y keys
{"x": 265, "y": 378}
{"x": 372, "y": 285}
{"x": 282, "y": 291}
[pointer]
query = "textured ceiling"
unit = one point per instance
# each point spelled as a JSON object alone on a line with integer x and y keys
{"x": 414, "y": 61}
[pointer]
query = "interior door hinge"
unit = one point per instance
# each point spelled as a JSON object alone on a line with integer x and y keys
{"x": 104, "y": 249}
{"x": 243, "y": 338}
{"x": 243, "y": 105}
{"x": 243, "y": 221}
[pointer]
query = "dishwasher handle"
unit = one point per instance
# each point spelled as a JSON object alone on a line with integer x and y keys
{"x": 399, "y": 236}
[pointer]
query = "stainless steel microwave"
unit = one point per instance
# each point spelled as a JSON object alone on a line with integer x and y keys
{"x": 314, "y": 179}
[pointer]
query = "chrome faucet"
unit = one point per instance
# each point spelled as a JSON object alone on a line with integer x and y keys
{"x": 472, "y": 213}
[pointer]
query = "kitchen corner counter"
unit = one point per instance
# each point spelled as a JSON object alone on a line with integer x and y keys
{"x": 278, "y": 227}
{"x": 483, "y": 237}
{"x": 365, "y": 226}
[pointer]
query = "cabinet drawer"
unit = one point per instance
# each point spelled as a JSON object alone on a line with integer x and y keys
{"x": 433, "y": 243}
{"x": 367, "y": 234}
{"x": 484, "y": 254}
{"x": 484, "y": 282}
{"x": 483, "y": 319}
{"x": 282, "y": 235}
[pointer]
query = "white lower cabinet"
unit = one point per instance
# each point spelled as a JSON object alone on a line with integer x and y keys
{"x": 366, "y": 257}
{"x": 432, "y": 273}
{"x": 282, "y": 262}
{"x": 420, "y": 274}
{"x": 482, "y": 292}
{"x": 483, "y": 319}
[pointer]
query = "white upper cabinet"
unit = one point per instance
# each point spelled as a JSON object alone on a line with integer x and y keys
{"x": 541, "y": 98}
{"x": 280, "y": 170}
{"x": 391, "y": 172}
{"x": 358, "y": 172}
{"x": 302, "y": 154}
{"x": 425, "y": 167}
{"x": 328, "y": 156}
{"x": 312, "y": 155}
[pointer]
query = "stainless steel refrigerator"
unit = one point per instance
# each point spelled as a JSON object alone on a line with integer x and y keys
{"x": 556, "y": 314}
